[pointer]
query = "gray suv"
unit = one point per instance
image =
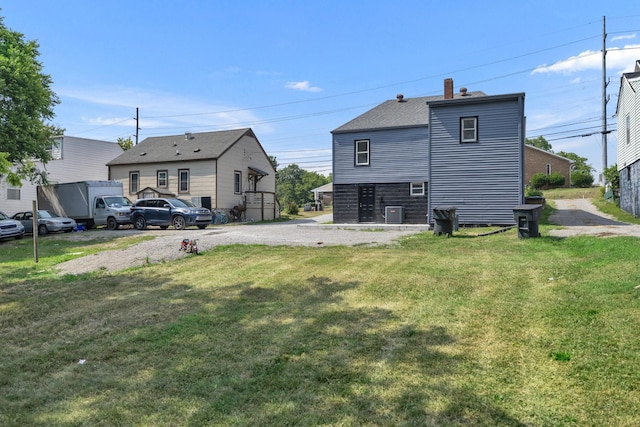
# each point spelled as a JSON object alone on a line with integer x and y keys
{"x": 165, "y": 212}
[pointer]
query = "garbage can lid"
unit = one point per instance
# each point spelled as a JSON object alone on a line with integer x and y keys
{"x": 444, "y": 208}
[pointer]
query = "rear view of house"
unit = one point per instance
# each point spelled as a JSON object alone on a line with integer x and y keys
{"x": 476, "y": 157}
{"x": 399, "y": 160}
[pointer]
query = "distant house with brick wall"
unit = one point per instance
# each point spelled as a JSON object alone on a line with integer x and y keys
{"x": 537, "y": 160}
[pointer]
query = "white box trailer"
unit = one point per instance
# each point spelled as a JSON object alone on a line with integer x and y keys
{"x": 88, "y": 202}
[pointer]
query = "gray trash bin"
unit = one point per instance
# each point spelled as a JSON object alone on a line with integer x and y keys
{"x": 526, "y": 217}
{"x": 444, "y": 218}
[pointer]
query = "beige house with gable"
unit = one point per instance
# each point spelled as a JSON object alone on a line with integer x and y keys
{"x": 216, "y": 170}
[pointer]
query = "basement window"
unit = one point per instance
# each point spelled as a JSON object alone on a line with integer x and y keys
{"x": 417, "y": 189}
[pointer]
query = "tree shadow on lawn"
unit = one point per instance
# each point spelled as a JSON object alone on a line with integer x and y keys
{"x": 294, "y": 354}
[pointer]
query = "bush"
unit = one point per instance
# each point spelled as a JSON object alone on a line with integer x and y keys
{"x": 292, "y": 208}
{"x": 531, "y": 192}
{"x": 556, "y": 179}
{"x": 539, "y": 180}
{"x": 581, "y": 179}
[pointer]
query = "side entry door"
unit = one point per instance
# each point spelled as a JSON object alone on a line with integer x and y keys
{"x": 366, "y": 203}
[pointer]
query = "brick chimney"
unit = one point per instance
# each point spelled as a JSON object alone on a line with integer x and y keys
{"x": 448, "y": 88}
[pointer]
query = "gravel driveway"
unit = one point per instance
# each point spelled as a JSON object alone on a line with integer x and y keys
{"x": 305, "y": 232}
{"x": 576, "y": 217}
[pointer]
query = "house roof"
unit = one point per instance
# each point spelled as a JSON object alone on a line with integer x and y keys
{"x": 327, "y": 188}
{"x": 549, "y": 153}
{"x": 179, "y": 148}
{"x": 409, "y": 112}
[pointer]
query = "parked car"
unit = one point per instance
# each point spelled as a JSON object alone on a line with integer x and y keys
{"x": 48, "y": 222}
{"x": 163, "y": 212}
{"x": 10, "y": 227}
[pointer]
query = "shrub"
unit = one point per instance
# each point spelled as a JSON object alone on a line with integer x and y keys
{"x": 531, "y": 192}
{"x": 292, "y": 208}
{"x": 556, "y": 179}
{"x": 539, "y": 180}
{"x": 581, "y": 179}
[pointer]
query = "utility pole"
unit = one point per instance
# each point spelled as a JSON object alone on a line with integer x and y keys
{"x": 137, "y": 125}
{"x": 605, "y": 98}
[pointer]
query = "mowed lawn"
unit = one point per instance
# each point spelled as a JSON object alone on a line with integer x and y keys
{"x": 465, "y": 330}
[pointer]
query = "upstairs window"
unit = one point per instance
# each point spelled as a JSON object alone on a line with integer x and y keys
{"x": 627, "y": 125}
{"x": 469, "y": 129}
{"x": 362, "y": 152}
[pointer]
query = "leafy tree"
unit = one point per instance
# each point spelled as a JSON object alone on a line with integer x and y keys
{"x": 539, "y": 142}
{"x": 125, "y": 144}
{"x": 26, "y": 104}
{"x": 294, "y": 184}
{"x": 274, "y": 162}
{"x": 579, "y": 163}
{"x": 612, "y": 176}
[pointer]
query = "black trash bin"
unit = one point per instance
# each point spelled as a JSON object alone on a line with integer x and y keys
{"x": 527, "y": 217}
{"x": 444, "y": 218}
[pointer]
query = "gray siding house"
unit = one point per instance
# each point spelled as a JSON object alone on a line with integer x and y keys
{"x": 477, "y": 157}
{"x": 384, "y": 161}
{"x": 628, "y": 113}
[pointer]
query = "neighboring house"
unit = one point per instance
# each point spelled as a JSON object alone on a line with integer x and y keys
{"x": 323, "y": 194}
{"x": 537, "y": 160}
{"x": 73, "y": 159}
{"x": 628, "y": 113}
{"x": 216, "y": 170}
{"x": 390, "y": 159}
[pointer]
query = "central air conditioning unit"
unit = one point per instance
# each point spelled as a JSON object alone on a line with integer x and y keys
{"x": 393, "y": 214}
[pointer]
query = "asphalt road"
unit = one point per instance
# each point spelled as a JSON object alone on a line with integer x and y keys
{"x": 580, "y": 216}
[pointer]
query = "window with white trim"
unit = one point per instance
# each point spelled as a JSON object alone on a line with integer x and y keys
{"x": 237, "y": 182}
{"x": 163, "y": 180}
{"x": 468, "y": 129}
{"x": 362, "y": 152}
{"x": 417, "y": 189}
{"x": 627, "y": 124}
{"x": 183, "y": 180}
{"x": 134, "y": 182}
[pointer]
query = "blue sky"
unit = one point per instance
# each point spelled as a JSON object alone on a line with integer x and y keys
{"x": 295, "y": 70}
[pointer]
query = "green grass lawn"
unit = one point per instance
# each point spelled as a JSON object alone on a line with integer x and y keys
{"x": 435, "y": 331}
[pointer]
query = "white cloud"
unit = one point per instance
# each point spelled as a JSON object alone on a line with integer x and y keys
{"x": 618, "y": 59}
{"x": 160, "y": 113}
{"x": 625, "y": 37}
{"x": 303, "y": 86}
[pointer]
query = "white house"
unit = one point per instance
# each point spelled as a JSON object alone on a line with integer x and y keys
{"x": 216, "y": 170}
{"x": 628, "y": 113}
{"x": 74, "y": 159}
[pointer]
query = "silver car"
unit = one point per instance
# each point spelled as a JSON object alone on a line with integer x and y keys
{"x": 10, "y": 227}
{"x": 48, "y": 222}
